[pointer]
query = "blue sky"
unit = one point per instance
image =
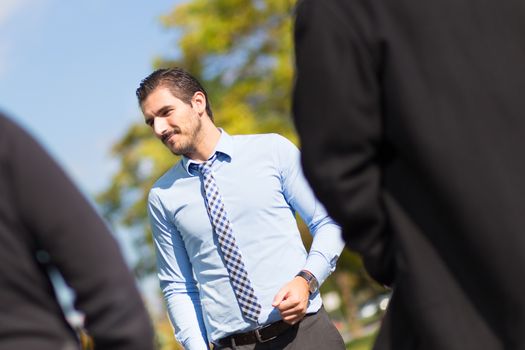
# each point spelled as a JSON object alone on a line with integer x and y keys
{"x": 68, "y": 74}
{"x": 69, "y": 70}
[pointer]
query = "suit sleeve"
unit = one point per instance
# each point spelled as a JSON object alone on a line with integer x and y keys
{"x": 64, "y": 224}
{"x": 337, "y": 114}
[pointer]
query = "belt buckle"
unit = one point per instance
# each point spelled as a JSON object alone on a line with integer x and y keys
{"x": 260, "y": 338}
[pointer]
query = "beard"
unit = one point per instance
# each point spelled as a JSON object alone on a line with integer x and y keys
{"x": 187, "y": 140}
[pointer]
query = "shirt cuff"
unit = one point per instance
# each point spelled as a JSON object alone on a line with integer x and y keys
{"x": 318, "y": 266}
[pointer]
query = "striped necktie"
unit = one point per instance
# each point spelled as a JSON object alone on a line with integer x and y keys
{"x": 242, "y": 287}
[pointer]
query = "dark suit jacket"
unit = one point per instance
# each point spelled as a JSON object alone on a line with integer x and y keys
{"x": 411, "y": 116}
{"x": 45, "y": 222}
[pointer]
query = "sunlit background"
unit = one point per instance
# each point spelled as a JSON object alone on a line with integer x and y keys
{"x": 68, "y": 74}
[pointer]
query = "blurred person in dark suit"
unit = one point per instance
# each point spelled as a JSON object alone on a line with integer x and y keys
{"x": 411, "y": 116}
{"x": 45, "y": 223}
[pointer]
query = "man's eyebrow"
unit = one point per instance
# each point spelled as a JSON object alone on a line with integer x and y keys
{"x": 161, "y": 110}
{"x": 157, "y": 113}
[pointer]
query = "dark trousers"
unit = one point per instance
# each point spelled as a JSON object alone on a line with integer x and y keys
{"x": 313, "y": 333}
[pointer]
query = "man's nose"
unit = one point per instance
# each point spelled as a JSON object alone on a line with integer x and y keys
{"x": 159, "y": 127}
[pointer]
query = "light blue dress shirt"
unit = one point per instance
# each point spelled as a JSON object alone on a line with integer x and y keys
{"x": 262, "y": 185}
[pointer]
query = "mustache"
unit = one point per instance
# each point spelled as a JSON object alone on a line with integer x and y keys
{"x": 164, "y": 138}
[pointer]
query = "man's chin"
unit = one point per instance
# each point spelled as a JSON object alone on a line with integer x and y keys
{"x": 172, "y": 146}
{"x": 178, "y": 151}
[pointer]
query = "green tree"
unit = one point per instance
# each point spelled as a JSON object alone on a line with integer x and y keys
{"x": 241, "y": 50}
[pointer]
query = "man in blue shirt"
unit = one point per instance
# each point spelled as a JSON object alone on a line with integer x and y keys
{"x": 258, "y": 181}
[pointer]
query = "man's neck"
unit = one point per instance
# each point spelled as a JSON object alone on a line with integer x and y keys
{"x": 208, "y": 140}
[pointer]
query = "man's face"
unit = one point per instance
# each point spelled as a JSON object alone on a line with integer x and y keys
{"x": 175, "y": 123}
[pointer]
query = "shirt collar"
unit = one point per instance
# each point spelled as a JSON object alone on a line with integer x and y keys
{"x": 224, "y": 150}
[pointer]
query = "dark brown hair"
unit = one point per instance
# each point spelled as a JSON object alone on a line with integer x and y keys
{"x": 181, "y": 84}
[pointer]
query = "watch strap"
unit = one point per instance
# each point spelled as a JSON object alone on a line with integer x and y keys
{"x": 313, "y": 284}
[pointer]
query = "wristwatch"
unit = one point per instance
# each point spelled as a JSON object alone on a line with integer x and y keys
{"x": 313, "y": 284}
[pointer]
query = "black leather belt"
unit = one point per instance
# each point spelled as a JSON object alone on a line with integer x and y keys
{"x": 259, "y": 335}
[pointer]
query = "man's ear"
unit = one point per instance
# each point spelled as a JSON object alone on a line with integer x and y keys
{"x": 198, "y": 102}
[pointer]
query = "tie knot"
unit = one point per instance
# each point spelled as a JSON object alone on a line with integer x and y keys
{"x": 205, "y": 168}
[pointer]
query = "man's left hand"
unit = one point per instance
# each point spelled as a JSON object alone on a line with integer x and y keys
{"x": 292, "y": 300}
